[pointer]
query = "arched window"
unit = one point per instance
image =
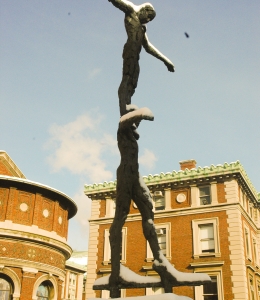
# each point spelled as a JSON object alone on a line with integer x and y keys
{"x": 45, "y": 291}
{"x": 6, "y": 287}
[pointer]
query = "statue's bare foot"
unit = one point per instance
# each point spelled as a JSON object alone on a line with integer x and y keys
{"x": 171, "y": 277}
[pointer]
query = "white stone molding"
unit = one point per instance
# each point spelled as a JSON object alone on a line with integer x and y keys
{"x": 16, "y": 282}
{"x": 21, "y": 263}
{"x": 167, "y": 196}
{"x": 95, "y": 209}
{"x": 20, "y": 229}
{"x": 42, "y": 279}
{"x": 110, "y": 207}
{"x": 231, "y": 191}
{"x": 237, "y": 254}
{"x": 92, "y": 258}
{"x": 30, "y": 270}
{"x": 214, "y": 193}
{"x": 194, "y": 192}
{"x": 79, "y": 286}
{"x": 66, "y": 293}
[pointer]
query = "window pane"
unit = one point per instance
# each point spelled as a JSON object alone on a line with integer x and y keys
{"x": 204, "y": 191}
{"x": 205, "y": 195}
{"x": 210, "y": 290}
{"x": 159, "y": 203}
{"x": 207, "y": 242}
{"x": 213, "y": 297}
{"x": 4, "y": 285}
{"x": 161, "y": 235}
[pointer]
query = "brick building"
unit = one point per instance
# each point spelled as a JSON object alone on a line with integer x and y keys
{"x": 33, "y": 236}
{"x": 207, "y": 220}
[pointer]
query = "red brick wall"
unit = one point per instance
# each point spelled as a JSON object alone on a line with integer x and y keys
{"x": 10, "y": 209}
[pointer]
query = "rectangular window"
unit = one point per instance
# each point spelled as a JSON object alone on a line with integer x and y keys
{"x": 248, "y": 243}
{"x": 163, "y": 235}
{"x": 210, "y": 290}
{"x": 107, "y": 248}
{"x": 206, "y": 236}
{"x": 252, "y": 289}
{"x": 159, "y": 200}
{"x": 204, "y": 195}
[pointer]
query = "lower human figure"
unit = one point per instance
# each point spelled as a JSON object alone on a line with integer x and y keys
{"x": 130, "y": 186}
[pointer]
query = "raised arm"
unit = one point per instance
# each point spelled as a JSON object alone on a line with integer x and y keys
{"x": 149, "y": 48}
{"x": 136, "y": 116}
{"x": 124, "y": 5}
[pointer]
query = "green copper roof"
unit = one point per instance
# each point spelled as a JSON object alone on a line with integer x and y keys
{"x": 175, "y": 176}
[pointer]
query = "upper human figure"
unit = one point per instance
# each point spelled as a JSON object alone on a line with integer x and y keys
{"x": 136, "y": 18}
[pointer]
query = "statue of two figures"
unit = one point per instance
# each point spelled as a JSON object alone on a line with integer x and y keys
{"x": 130, "y": 184}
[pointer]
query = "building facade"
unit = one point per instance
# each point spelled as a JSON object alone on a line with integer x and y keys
{"x": 207, "y": 220}
{"x": 76, "y": 268}
{"x": 33, "y": 236}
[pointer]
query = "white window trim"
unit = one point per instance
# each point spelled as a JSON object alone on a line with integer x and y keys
{"x": 255, "y": 249}
{"x": 210, "y": 272}
{"x": 107, "y": 249}
{"x": 196, "y": 243}
{"x": 149, "y": 254}
{"x": 150, "y": 291}
{"x": 247, "y": 236}
{"x": 110, "y": 207}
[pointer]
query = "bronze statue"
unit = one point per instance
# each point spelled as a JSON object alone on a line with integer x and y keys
{"x": 130, "y": 184}
{"x": 136, "y": 18}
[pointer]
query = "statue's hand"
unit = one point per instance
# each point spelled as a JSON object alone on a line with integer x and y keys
{"x": 169, "y": 66}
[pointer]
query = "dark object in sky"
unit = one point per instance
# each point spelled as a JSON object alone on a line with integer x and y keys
{"x": 186, "y": 34}
{"x": 69, "y": 13}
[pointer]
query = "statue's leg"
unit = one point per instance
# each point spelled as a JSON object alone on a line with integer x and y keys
{"x": 169, "y": 275}
{"x": 123, "y": 201}
{"x": 128, "y": 84}
{"x": 143, "y": 201}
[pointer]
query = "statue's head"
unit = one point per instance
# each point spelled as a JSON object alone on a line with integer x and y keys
{"x": 146, "y": 13}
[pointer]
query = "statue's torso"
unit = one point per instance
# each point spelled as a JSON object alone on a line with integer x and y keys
{"x": 135, "y": 35}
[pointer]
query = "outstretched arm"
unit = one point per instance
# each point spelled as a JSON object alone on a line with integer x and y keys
{"x": 124, "y": 5}
{"x": 136, "y": 116}
{"x": 149, "y": 48}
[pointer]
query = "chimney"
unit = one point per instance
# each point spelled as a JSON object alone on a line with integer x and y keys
{"x": 188, "y": 164}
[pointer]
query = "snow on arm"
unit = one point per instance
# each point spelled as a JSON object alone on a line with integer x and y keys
{"x": 125, "y": 5}
{"x": 137, "y": 115}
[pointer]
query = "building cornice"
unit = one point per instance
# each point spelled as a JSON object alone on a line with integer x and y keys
{"x": 182, "y": 178}
{"x": 10, "y": 165}
{"x": 35, "y": 187}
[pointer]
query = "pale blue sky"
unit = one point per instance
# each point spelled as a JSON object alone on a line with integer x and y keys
{"x": 61, "y": 67}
